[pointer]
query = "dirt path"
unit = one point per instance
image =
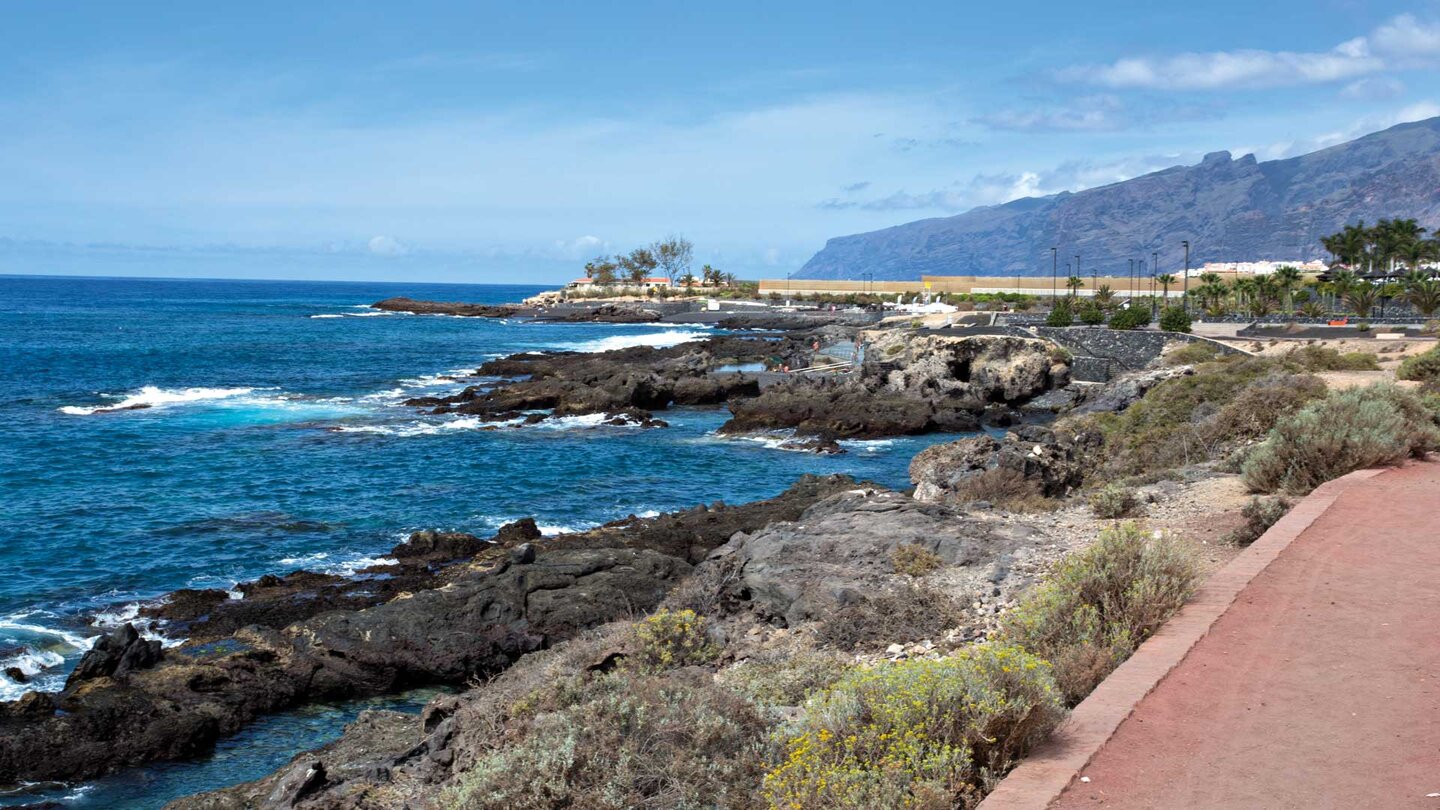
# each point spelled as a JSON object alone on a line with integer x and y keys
{"x": 1318, "y": 688}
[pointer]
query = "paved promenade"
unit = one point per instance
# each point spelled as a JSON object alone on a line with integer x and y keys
{"x": 1317, "y": 684}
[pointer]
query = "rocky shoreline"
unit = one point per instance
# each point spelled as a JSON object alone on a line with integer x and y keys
{"x": 453, "y": 607}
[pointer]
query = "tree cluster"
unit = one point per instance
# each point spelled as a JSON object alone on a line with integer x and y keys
{"x": 670, "y": 257}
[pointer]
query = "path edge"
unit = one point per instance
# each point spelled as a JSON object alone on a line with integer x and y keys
{"x": 1041, "y": 777}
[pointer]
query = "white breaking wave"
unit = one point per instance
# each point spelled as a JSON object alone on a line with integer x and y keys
{"x": 659, "y": 340}
{"x": 368, "y": 313}
{"x": 552, "y": 529}
{"x": 43, "y": 651}
{"x": 153, "y": 397}
{"x": 426, "y": 428}
{"x": 867, "y": 445}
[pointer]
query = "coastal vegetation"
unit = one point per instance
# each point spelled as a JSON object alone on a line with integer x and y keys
{"x": 1099, "y": 604}
{"x": 810, "y": 728}
{"x": 1348, "y": 430}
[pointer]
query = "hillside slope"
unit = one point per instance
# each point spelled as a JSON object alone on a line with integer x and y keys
{"x": 1229, "y": 209}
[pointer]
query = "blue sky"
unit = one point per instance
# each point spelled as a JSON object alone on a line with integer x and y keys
{"x": 510, "y": 142}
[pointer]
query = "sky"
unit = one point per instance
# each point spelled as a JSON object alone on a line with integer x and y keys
{"x": 511, "y": 142}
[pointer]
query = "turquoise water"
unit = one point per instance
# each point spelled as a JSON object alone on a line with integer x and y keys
{"x": 276, "y": 440}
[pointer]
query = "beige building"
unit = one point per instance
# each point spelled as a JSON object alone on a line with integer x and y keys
{"x": 1042, "y": 286}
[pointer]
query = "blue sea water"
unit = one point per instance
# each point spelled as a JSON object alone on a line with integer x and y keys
{"x": 275, "y": 440}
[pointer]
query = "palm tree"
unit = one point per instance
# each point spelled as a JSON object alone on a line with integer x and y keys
{"x": 1165, "y": 280}
{"x": 1287, "y": 278}
{"x": 1360, "y": 297}
{"x": 1074, "y": 283}
{"x": 1244, "y": 291}
{"x": 1340, "y": 283}
{"x": 1104, "y": 296}
{"x": 1424, "y": 296}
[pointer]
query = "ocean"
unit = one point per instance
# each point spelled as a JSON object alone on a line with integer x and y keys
{"x": 275, "y": 439}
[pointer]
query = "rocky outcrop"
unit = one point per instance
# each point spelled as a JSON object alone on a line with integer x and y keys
{"x": 1122, "y": 392}
{"x": 641, "y": 377}
{"x": 841, "y": 550}
{"x": 605, "y": 313}
{"x": 517, "y": 594}
{"x": 402, "y": 304}
{"x": 1054, "y": 467}
{"x": 117, "y": 654}
{"x": 910, "y": 383}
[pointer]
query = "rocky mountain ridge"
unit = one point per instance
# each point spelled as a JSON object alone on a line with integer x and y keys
{"x": 1229, "y": 209}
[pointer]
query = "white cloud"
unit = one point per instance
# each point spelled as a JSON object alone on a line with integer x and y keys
{"x": 387, "y": 246}
{"x": 1401, "y": 42}
{"x": 1091, "y": 113}
{"x": 1406, "y": 36}
{"x": 1373, "y": 88}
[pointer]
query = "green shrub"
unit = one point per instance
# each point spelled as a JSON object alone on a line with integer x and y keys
{"x": 671, "y": 638}
{"x": 1061, "y": 314}
{"x": 1190, "y": 354}
{"x": 1100, "y": 603}
{"x": 785, "y": 678}
{"x": 1186, "y": 420}
{"x": 1255, "y": 409}
{"x": 628, "y": 741}
{"x": 1174, "y": 319}
{"x": 926, "y": 733}
{"x": 1260, "y": 514}
{"x": 1323, "y": 358}
{"x": 1091, "y": 314}
{"x": 914, "y": 560}
{"x": 1130, "y": 318}
{"x": 1112, "y": 501}
{"x": 1346, "y": 431}
{"x": 1423, "y": 367}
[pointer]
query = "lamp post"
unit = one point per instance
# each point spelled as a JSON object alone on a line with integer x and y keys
{"x": 1154, "y": 271}
{"x": 1185, "y": 295}
{"x": 1130, "y": 280}
{"x": 1054, "y": 274}
{"x": 1077, "y": 269}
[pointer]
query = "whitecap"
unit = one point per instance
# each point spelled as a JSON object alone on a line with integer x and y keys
{"x": 425, "y": 428}
{"x": 552, "y": 529}
{"x": 658, "y": 340}
{"x": 151, "y": 396}
{"x": 867, "y": 445}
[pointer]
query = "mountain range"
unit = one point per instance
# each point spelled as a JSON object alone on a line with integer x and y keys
{"x": 1229, "y": 209}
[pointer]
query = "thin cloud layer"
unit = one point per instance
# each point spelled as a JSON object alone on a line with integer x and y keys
{"x": 1401, "y": 43}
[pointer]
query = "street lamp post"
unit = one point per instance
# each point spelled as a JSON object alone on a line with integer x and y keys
{"x": 1185, "y": 295}
{"x": 1130, "y": 280}
{"x": 1054, "y": 274}
{"x": 1154, "y": 271}
{"x": 1077, "y": 269}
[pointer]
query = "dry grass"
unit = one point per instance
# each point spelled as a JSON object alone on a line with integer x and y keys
{"x": 914, "y": 560}
{"x": 904, "y": 614}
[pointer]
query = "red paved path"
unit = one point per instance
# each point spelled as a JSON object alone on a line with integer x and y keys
{"x": 1318, "y": 688}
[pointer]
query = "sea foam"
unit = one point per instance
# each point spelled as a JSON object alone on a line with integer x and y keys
{"x": 658, "y": 340}
{"x": 154, "y": 397}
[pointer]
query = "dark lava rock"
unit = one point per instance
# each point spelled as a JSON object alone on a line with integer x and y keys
{"x": 117, "y": 654}
{"x": 642, "y": 378}
{"x": 1054, "y": 466}
{"x": 609, "y": 313}
{"x": 17, "y": 675}
{"x": 471, "y": 620}
{"x": 402, "y": 304}
{"x": 909, "y": 383}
